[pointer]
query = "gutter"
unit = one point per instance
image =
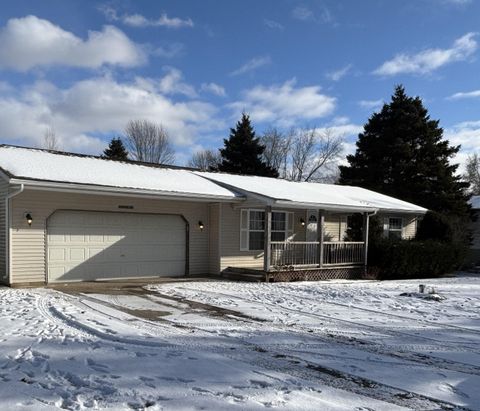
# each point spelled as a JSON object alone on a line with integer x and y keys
{"x": 326, "y": 207}
{"x": 123, "y": 192}
{"x": 8, "y": 231}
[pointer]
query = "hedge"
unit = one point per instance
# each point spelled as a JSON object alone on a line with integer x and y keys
{"x": 394, "y": 259}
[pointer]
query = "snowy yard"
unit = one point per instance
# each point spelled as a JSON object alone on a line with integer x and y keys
{"x": 338, "y": 345}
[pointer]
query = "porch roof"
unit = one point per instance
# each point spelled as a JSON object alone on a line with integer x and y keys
{"x": 312, "y": 195}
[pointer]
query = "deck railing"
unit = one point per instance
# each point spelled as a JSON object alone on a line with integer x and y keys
{"x": 343, "y": 252}
{"x": 306, "y": 253}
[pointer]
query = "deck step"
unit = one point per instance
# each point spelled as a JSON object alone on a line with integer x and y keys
{"x": 241, "y": 274}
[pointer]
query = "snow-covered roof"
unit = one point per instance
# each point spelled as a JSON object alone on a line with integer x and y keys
{"x": 326, "y": 196}
{"x": 33, "y": 164}
{"x": 475, "y": 202}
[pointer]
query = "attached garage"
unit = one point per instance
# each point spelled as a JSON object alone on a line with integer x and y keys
{"x": 88, "y": 246}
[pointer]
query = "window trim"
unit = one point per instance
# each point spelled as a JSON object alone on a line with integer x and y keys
{"x": 247, "y": 229}
{"x": 395, "y": 230}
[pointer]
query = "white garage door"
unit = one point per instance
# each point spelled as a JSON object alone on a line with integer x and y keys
{"x": 86, "y": 246}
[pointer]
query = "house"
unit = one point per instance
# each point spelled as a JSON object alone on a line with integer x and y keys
{"x": 473, "y": 257}
{"x": 70, "y": 217}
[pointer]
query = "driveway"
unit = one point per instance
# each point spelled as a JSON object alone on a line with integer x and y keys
{"x": 338, "y": 345}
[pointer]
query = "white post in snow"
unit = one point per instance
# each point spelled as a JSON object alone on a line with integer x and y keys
{"x": 267, "y": 251}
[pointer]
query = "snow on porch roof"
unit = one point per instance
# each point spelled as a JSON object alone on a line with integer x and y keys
{"x": 57, "y": 167}
{"x": 326, "y": 196}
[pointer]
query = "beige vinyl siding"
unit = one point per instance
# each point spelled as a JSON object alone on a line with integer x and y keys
{"x": 335, "y": 227}
{"x": 410, "y": 223}
{"x": 231, "y": 256}
{"x": 29, "y": 243}
{"x": 214, "y": 234}
{"x": 3, "y": 227}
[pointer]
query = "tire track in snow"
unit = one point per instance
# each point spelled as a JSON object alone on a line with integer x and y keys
{"x": 287, "y": 364}
{"x": 376, "y": 312}
{"x": 375, "y": 348}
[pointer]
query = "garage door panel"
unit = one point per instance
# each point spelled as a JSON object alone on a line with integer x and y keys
{"x": 86, "y": 245}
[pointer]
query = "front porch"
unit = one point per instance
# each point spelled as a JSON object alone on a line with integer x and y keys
{"x": 292, "y": 255}
{"x": 307, "y": 250}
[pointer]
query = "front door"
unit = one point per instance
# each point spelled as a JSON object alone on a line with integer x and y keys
{"x": 312, "y": 221}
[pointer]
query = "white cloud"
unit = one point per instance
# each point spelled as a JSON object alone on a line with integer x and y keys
{"x": 466, "y": 134}
{"x": 429, "y": 60}
{"x": 304, "y": 13}
{"x": 99, "y": 106}
{"x": 274, "y": 25}
{"x": 337, "y": 75}
{"x": 285, "y": 104}
{"x": 169, "y": 51}
{"x": 252, "y": 65}
{"x": 468, "y": 94}
{"x": 370, "y": 104}
{"x": 30, "y": 41}
{"x": 172, "y": 83}
{"x": 213, "y": 88}
{"x": 139, "y": 20}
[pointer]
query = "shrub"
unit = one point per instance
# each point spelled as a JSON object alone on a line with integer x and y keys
{"x": 393, "y": 259}
{"x": 435, "y": 226}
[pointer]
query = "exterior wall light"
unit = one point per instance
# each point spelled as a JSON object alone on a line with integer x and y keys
{"x": 201, "y": 226}
{"x": 302, "y": 222}
{"x": 28, "y": 217}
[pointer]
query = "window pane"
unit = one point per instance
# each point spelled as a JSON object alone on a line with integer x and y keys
{"x": 257, "y": 220}
{"x": 278, "y": 235}
{"x": 256, "y": 240}
{"x": 395, "y": 223}
{"x": 279, "y": 221}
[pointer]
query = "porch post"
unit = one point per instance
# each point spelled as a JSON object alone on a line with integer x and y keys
{"x": 320, "y": 236}
{"x": 366, "y": 219}
{"x": 267, "y": 251}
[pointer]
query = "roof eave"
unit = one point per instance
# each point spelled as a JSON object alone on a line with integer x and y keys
{"x": 121, "y": 191}
{"x": 326, "y": 207}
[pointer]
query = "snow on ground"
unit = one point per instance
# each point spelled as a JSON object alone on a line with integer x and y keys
{"x": 337, "y": 345}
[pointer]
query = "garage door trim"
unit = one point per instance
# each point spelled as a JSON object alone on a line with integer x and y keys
{"x": 187, "y": 232}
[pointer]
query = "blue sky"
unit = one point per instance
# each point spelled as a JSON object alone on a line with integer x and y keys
{"x": 85, "y": 68}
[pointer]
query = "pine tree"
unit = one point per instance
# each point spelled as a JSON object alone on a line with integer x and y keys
{"x": 242, "y": 152}
{"x": 115, "y": 150}
{"x": 402, "y": 153}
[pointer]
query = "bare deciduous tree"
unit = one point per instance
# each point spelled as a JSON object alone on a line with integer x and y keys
{"x": 50, "y": 140}
{"x": 277, "y": 148}
{"x": 148, "y": 141}
{"x": 205, "y": 160}
{"x": 303, "y": 154}
{"x": 314, "y": 154}
{"x": 472, "y": 173}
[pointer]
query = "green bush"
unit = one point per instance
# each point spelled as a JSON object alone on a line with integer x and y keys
{"x": 393, "y": 259}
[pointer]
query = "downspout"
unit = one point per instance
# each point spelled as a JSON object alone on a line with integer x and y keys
{"x": 8, "y": 233}
{"x": 366, "y": 234}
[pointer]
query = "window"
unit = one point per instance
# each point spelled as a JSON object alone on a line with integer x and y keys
{"x": 395, "y": 225}
{"x": 256, "y": 230}
{"x": 252, "y": 228}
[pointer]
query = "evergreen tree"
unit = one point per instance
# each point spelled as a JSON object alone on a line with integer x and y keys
{"x": 242, "y": 152}
{"x": 402, "y": 153}
{"x": 115, "y": 150}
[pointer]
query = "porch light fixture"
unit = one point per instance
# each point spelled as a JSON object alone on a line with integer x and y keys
{"x": 201, "y": 226}
{"x": 29, "y": 218}
{"x": 302, "y": 222}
